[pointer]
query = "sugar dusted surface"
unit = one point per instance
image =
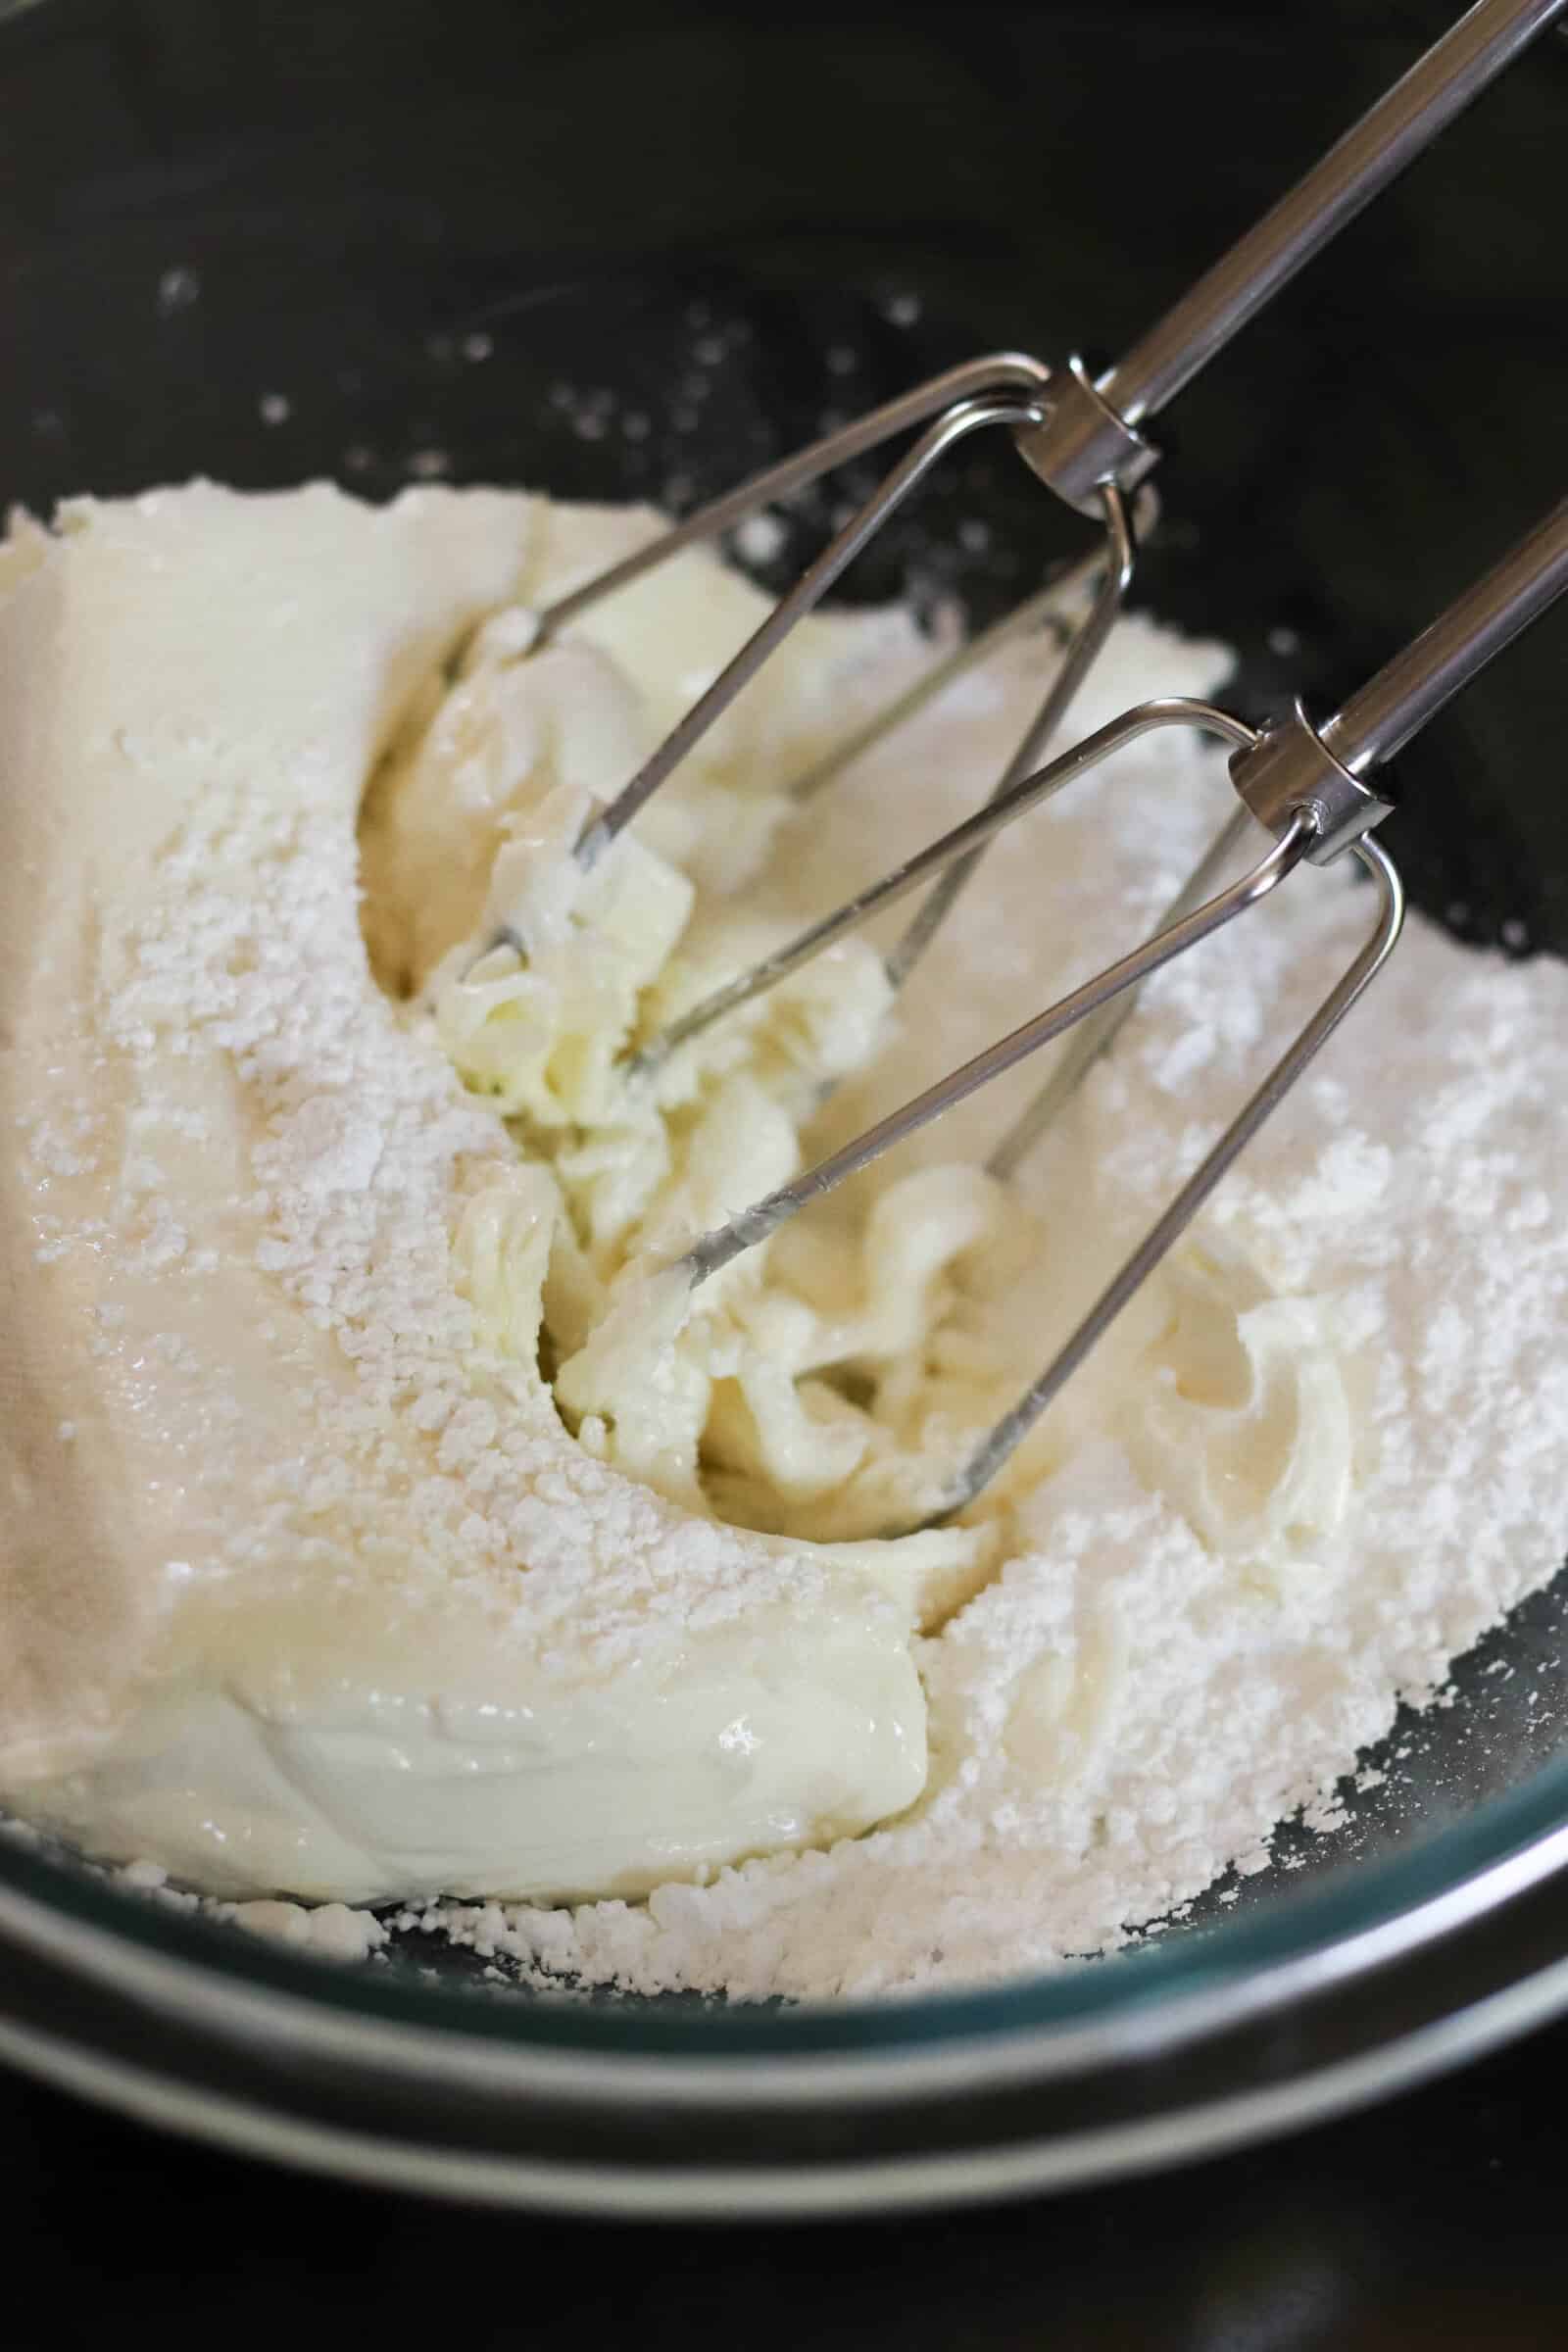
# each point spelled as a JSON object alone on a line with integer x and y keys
{"x": 1415, "y": 1180}
{"x": 1125, "y": 1711}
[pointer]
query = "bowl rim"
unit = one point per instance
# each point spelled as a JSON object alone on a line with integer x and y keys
{"x": 1316, "y": 2005}
{"x": 1156, "y": 1996}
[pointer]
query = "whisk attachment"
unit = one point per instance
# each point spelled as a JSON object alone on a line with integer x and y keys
{"x": 1008, "y": 1434}
{"x": 1016, "y": 386}
{"x": 955, "y": 424}
{"x": 1084, "y": 650}
{"x": 1111, "y": 565}
{"x": 1294, "y": 764}
{"x": 1000, "y": 388}
{"x": 1311, "y": 789}
{"x": 752, "y": 1225}
{"x": 1316, "y": 801}
{"x": 1081, "y": 435}
{"x": 952, "y": 848}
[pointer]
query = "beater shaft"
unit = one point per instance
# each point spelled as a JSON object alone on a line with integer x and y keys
{"x": 1439, "y": 85}
{"x": 1091, "y": 434}
{"x": 1379, "y": 720}
{"x": 1294, "y": 766}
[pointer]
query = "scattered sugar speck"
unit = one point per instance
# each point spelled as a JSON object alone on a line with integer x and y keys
{"x": 177, "y": 288}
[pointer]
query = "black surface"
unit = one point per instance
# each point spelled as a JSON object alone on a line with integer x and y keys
{"x": 1434, "y": 2221}
{"x": 350, "y": 188}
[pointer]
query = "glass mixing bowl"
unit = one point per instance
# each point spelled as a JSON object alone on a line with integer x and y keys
{"x": 385, "y": 241}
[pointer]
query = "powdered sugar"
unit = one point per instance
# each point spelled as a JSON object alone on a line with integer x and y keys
{"x": 1126, "y": 1709}
{"x": 325, "y": 1931}
{"x": 1125, "y": 1714}
{"x": 363, "y": 1140}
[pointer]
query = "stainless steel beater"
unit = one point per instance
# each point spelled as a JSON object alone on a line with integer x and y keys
{"x": 1080, "y": 435}
{"x": 1310, "y": 787}
{"x": 1315, "y": 789}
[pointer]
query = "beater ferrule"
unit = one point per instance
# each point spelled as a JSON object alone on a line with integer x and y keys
{"x": 1082, "y": 444}
{"x": 1296, "y": 770}
{"x": 1289, "y": 772}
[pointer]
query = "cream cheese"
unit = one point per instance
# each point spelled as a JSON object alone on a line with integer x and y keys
{"x": 305, "y": 1587}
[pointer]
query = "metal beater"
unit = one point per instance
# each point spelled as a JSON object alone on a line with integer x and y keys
{"x": 1313, "y": 788}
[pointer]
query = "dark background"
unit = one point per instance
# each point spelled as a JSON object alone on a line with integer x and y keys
{"x": 1435, "y": 2224}
{"x": 205, "y": 205}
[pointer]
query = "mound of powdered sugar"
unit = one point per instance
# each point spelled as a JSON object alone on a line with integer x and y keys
{"x": 1414, "y": 1180}
{"x": 1128, "y": 1710}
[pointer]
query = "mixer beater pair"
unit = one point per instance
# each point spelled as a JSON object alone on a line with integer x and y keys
{"x": 1314, "y": 788}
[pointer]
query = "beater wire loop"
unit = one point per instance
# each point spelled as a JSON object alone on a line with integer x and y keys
{"x": 1051, "y": 605}
{"x": 753, "y": 1225}
{"x": 1087, "y": 645}
{"x": 1094, "y": 1036}
{"x": 996, "y": 372}
{"x": 955, "y": 424}
{"x": 1014, "y": 1426}
{"x": 1025, "y": 793}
